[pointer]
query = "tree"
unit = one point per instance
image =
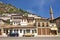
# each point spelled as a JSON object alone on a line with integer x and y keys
{"x": 1, "y": 12}
{"x": 11, "y": 10}
{"x": 26, "y": 14}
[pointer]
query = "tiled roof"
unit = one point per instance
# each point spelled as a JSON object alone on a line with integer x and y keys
{"x": 57, "y": 18}
{"x": 17, "y": 26}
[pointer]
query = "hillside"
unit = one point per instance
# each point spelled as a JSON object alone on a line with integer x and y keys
{"x": 9, "y": 8}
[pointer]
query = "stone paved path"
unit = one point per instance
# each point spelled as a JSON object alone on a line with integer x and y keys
{"x": 29, "y": 38}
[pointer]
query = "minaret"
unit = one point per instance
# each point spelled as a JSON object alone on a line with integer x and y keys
{"x": 51, "y": 14}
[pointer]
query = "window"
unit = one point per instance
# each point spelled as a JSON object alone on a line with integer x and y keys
{"x": 28, "y": 21}
{"x": 38, "y": 24}
{"x": 20, "y": 30}
{"x": 34, "y": 24}
{"x": 14, "y": 22}
{"x": 24, "y": 20}
{"x": 15, "y": 30}
{"x": 47, "y": 24}
{"x": 32, "y": 31}
{"x": 28, "y": 30}
{"x": 58, "y": 30}
{"x": 35, "y": 31}
{"x": 4, "y": 30}
{"x": 11, "y": 17}
{"x": 18, "y": 23}
{"x": 0, "y": 31}
{"x": 42, "y": 24}
{"x": 24, "y": 31}
{"x": 52, "y": 25}
{"x": 11, "y": 23}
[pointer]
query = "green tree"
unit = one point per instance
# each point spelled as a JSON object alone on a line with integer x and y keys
{"x": 1, "y": 12}
{"x": 11, "y": 10}
{"x": 26, "y": 14}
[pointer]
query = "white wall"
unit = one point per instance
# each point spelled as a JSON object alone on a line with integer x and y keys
{"x": 20, "y": 34}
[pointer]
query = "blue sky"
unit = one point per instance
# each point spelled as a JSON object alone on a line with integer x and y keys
{"x": 39, "y": 7}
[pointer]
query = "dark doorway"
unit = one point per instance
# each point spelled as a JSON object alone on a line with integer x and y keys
{"x": 53, "y": 32}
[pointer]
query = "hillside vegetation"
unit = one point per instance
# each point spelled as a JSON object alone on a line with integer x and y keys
{"x": 9, "y": 8}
